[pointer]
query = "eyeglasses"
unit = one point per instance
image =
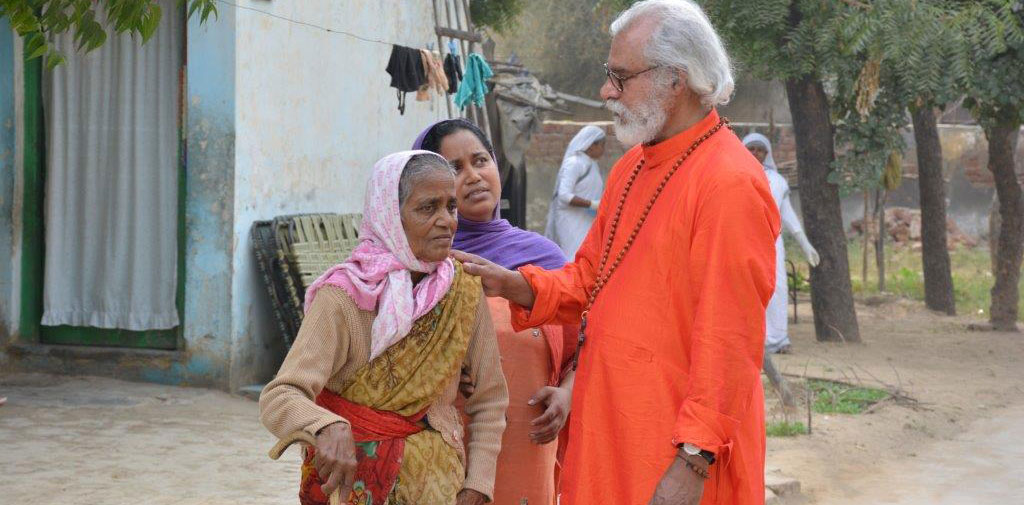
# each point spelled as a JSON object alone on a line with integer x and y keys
{"x": 618, "y": 81}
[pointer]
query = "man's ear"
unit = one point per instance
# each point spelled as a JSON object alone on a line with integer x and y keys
{"x": 678, "y": 78}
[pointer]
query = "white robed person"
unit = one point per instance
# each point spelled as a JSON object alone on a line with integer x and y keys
{"x": 577, "y": 192}
{"x": 777, "y": 327}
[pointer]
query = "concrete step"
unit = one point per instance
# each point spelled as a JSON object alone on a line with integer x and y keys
{"x": 770, "y": 498}
{"x": 782, "y": 486}
{"x": 251, "y": 392}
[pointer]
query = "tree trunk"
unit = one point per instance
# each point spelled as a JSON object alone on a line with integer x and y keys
{"x": 1002, "y": 142}
{"x": 831, "y": 291}
{"x": 994, "y": 224}
{"x": 938, "y": 276}
{"x": 867, "y": 240}
{"x": 881, "y": 195}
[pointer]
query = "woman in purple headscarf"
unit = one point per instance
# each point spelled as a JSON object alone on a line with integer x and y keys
{"x": 535, "y": 361}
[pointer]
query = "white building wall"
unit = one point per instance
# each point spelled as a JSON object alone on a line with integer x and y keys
{"x": 313, "y": 113}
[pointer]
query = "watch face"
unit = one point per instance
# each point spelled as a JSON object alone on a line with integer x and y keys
{"x": 691, "y": 449}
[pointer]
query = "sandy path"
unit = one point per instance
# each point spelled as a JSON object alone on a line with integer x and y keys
{"x": 966, "y": 383}
{"x": 106, "y": 442}
{"x": 981, "y": 466}
{"x": 91, "y": 441}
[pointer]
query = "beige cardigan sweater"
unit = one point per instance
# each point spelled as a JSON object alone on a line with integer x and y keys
{"x": 334, "y": 342}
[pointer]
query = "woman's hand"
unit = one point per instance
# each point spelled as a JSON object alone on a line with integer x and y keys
{"x": 496, "y": 279}
{"x": 466, "y": 386}
{"x": 547, "y": 427}
{"x": 470, "y": 497}
{"x": 335, "y": 459}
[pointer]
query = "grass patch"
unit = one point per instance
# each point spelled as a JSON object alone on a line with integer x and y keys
{"x": 785, "y": 429}
{"x": 972, "y": 275}
{"x": 837, "y": 398}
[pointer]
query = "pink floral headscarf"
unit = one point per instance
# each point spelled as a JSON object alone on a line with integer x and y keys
{"x": 377, "y": 273}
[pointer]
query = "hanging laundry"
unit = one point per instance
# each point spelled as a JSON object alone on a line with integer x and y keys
{"x": 436, "y": 79}
{"x": 407, "y": 73}
{"x": 474, "y": 87}
{"x": 453, "y": 69}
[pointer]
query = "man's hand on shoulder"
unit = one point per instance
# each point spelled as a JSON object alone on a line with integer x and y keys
{"x": 496, "y": 279}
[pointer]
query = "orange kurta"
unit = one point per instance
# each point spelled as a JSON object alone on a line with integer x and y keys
{"x": 530, "y": 359}
{"x": 526, "y": 471}
{"x": 675, "y": 339}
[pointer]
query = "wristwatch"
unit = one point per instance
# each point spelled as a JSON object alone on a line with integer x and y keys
{"x": 693, "y": 450}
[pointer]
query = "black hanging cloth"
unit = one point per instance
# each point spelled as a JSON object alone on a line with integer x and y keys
{"x": 407, "y": 73}
{"x": 453, "y": 69}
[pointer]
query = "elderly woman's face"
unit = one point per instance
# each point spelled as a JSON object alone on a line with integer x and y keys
{"x": 477, "y": 182}
{"x": 428, "y": 215}
{"x": 758, "y": 150}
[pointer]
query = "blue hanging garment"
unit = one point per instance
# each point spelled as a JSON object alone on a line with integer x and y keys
{"x": 474, "y": 84}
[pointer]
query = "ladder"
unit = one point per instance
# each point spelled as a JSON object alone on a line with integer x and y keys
{"x": 452, "y": 23}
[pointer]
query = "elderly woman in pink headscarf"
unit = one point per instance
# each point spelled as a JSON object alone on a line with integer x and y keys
{"x": 374, "y": 371}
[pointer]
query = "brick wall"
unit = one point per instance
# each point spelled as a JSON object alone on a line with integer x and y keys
{"x": 544, "y": 157}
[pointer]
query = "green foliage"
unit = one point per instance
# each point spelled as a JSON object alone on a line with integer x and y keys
{"x": 838, "y": 398}
{"x": 499, "y": 15}
{"x": 908, "y": 282}
{"x": 799, "y": 282}
{"x": 997, "y": 40}
{"x": 785, "y": 429}
{"x": 38, "y": 21}
{"x": 866, "y": 141}
{"x": 775, "y": 39}
{"x": 563, "y": 42}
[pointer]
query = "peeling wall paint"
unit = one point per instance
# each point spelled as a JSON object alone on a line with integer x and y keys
{"x": 210, "y": 155}
{"x": 313, "y": 113}
{"x": 8, "y": 319}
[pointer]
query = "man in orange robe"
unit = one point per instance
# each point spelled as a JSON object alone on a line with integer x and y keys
{"x": 668, "y": 385}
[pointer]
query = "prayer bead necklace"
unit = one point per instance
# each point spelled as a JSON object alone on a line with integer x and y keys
{"x": 603, "y": 276}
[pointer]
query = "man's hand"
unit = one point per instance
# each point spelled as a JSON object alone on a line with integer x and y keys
{"x": 470, "y": 497}
{"x": 335, "y": 459}
{"x": 550, "y": 423}
{"x": 680, "y": 485}
{"x": 496, "y": 279}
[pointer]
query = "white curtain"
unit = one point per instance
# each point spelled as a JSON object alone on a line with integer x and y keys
{"x": 112, "y": 162}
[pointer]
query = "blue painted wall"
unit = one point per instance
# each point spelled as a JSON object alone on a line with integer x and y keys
{"x": 7, "y": 140}
{"x": 209, "y": 169}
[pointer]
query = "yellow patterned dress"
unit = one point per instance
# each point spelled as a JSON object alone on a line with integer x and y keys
{"x": 386, "y": 401}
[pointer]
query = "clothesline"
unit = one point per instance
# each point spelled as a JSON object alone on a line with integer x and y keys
{"x": 308, "y": 24}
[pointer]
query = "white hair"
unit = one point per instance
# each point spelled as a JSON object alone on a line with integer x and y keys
{"x": 684, "y": 39}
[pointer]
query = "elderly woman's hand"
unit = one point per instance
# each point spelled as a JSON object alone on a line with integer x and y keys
{"x": 466, "y": 386}
{"x": 470, "y": 497}
{"x": 335, "y": 459}
{"x": 496, "y": 279}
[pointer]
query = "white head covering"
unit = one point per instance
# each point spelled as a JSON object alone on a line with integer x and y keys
{"x": 583, "y": 140}
{"x": 757, "y": 138}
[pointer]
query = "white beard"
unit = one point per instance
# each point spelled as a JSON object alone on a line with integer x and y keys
{"x": 641, "y": 124}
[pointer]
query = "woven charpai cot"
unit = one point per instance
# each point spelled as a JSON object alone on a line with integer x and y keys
{"x": 292, "y": 251}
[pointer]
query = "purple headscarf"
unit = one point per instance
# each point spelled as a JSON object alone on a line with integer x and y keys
{"x": 497, "y": 240}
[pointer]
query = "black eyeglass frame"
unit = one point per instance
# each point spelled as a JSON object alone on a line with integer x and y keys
{"x": 619, "y": 82}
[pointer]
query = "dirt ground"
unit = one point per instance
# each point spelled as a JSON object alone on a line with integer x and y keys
{"x": 957, "y": 382}
{"x": 83, "y": 440}
{"x": 91, "y": 441}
